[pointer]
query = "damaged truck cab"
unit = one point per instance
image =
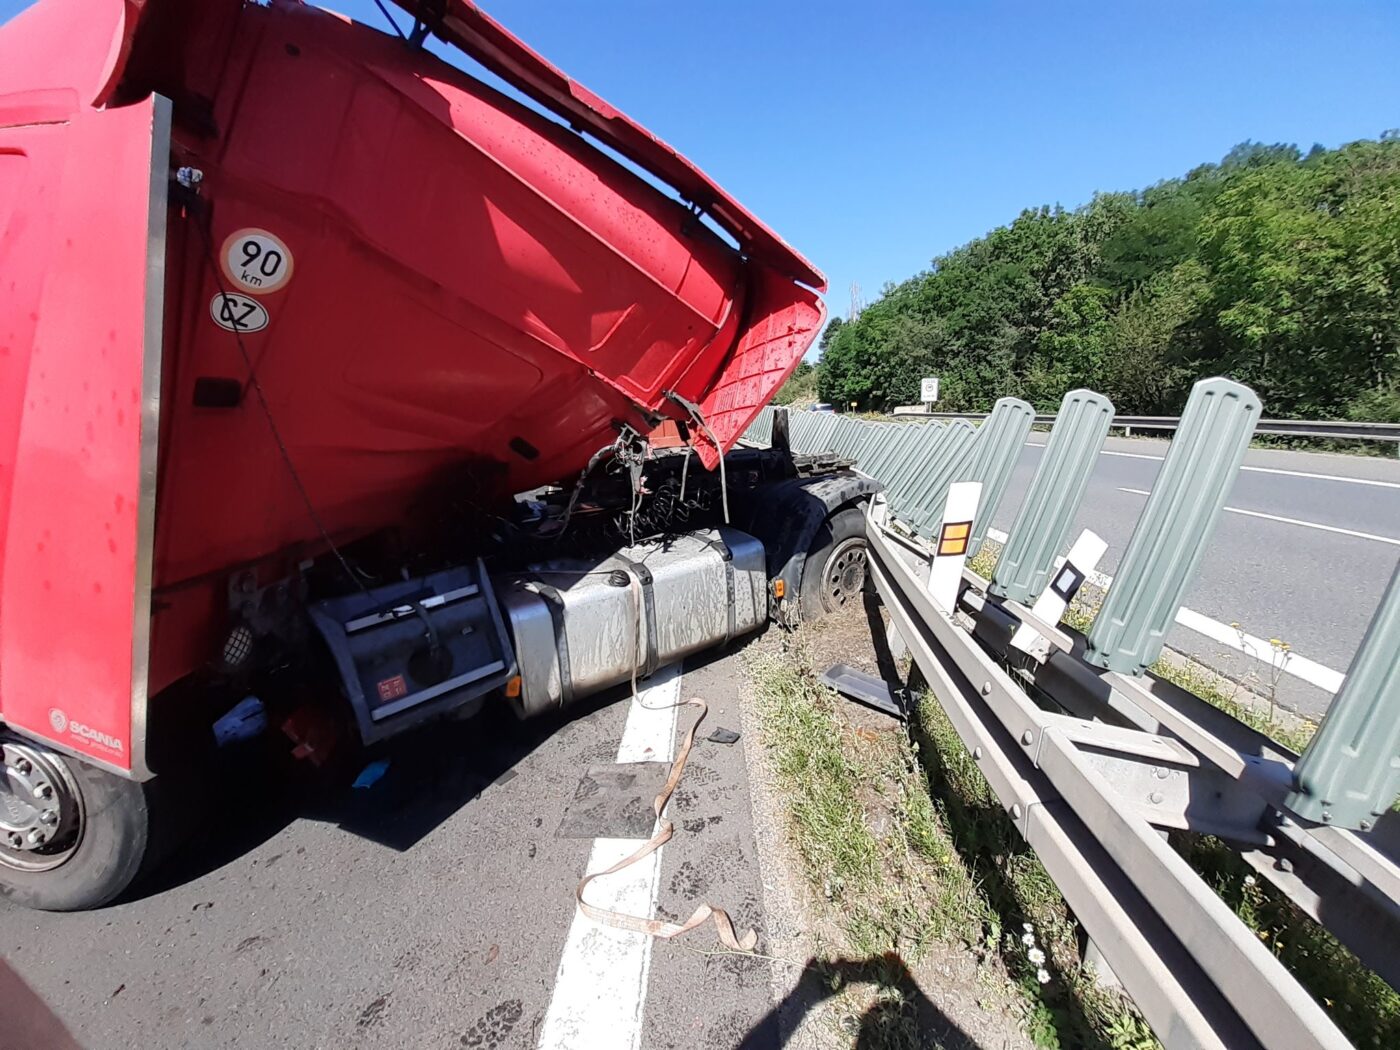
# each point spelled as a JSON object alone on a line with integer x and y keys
{"x": 328, "y": 371}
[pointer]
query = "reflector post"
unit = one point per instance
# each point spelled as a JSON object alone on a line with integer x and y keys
{"x": 953, "y": 538}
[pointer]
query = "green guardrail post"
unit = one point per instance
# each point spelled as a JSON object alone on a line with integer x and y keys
{"x": 994, "y": 455}
{"x": 947, "y": 460}
{"x": 1349, "y": 775}
{"x": 1042, "y": 524}
{"x": 1171, "y": 536}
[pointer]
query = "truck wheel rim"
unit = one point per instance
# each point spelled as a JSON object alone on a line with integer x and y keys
{"x": 41, "y": 815}
{"x": 844, "y": 574}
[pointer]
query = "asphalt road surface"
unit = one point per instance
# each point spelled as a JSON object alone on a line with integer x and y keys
{"x": 1303, "y": 555}
{"x": 435, "y": 908}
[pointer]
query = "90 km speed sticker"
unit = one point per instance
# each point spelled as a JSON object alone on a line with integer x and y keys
{"x": 237, "y": 313}
{"x": 256, "y": 261}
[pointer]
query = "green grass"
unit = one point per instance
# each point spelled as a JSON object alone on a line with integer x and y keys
{"x": 899, "y": 866}
{"x": 891, "y": 889}
{"x": 1069, "y": 1010}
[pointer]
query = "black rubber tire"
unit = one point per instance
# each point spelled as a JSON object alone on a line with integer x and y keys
{"x": 115, "y": 840}
{"x": 844, "y": 530}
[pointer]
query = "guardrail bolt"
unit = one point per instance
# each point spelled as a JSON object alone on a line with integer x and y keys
{"x": 1155, "y": 798}
{"x": 977, "y": 754}
{"x": 1016, "y": 812}
{"x": 1027, "y": 737}
{"x": 986, "y": 688}
{"x": 1284, "y": 864}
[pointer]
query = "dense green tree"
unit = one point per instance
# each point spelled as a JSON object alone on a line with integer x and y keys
{"x": 1276, "y": 268}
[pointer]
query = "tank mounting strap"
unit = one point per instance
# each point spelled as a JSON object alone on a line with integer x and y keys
{"x": 650, "y": 660}
{"x": 555, "y": 603}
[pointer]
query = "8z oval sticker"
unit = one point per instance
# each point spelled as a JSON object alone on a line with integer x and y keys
{"x": 256, "y": 261}
{"x": 237, "y": 313}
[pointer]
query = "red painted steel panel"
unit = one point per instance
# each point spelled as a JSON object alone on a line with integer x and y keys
{"x": 75, "y": 186}
{"x": 460, "y": 299}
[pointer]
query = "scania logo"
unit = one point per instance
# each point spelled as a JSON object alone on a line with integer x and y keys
{"x": 61, "y": 724}
{"x": 95, "y": 735}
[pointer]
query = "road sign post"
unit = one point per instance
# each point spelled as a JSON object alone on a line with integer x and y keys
{"x": 928, "y": 391}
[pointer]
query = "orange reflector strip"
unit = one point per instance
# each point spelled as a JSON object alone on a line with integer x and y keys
{"x": 513, "y": 687}
{"x": 779, "y": 588}
{"x": 953, "y": 540}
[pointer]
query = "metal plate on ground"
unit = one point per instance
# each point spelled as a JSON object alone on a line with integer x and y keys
{"x": 866, "y": 689}
{"x": 615, "y": 802}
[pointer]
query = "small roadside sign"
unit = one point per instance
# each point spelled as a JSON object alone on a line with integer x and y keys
{"x": 928, "y": 390}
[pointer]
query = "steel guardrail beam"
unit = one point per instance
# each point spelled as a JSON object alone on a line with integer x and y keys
{"x": 1205, "y": 996}
{"x": 1311, "y": 428}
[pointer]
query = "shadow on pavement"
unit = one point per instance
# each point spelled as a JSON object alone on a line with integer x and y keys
{"x": 901, "y": 1016}
{"x": 252, "y": 793}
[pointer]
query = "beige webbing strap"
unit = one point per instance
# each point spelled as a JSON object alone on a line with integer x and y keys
{"x": 724, "y": 926}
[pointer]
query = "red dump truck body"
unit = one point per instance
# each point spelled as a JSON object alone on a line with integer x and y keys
{"x": 436, "y": 287}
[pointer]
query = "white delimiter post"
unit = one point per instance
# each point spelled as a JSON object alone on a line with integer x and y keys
{"x": 1083, "y": 557}
{"x": 951, "y": 543}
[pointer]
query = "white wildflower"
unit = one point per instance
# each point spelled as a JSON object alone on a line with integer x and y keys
{"x": 1027, "y": 927}
{"x": 1249, "y": 880}
{"x": 1036, "y": 956}
{"x": 1043, "y": 976}
{"x": 1028, "y": 939}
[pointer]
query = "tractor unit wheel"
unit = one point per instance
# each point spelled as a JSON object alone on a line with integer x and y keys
{"x": 834, "y": 572}
{"x": 71, "y": 836}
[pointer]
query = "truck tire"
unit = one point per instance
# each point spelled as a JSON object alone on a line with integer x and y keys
{"x": 96, "y": 827}
{"x": 834, "y": 571}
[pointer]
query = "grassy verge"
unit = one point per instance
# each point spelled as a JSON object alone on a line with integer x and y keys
{"x": 899, "y": 867}
{"x": 861, "y": 819}
{"x": 1067, "y": 1007}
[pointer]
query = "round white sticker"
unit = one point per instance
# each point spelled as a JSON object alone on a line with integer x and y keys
{"x": 237, "y": 313}
{"x": 257, "y": 261}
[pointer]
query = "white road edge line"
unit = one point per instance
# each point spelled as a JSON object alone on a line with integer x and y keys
{"x": 1287, "y": 661}
{"x": 601, "y": 985}
{"x": 1294, "y": 521}
{"x": 1262, "y": 470}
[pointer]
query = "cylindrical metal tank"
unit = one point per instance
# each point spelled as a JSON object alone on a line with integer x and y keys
{"x": 581, "y": 626}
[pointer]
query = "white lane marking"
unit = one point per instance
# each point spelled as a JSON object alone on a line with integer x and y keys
{"x": 600, "y": 988}
{"x": 1325, "y": 477}
{"x": 1295, "y": 521}
{"x": 1106, "y": 452}
{"x": 1265, "y": 652}
{"x": 1287, "y": 661}
{"x": 1263, "y": 470}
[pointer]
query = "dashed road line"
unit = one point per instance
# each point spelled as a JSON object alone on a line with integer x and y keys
{"x": 1294, "y": 521}
{"x": 1375, "y": 482}
{"x": 601, "y": 985}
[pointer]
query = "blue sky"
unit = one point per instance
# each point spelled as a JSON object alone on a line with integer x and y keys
{"x": 874, "y": 136}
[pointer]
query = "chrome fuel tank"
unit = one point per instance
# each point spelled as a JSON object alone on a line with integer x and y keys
{"x": 581, "y": 625}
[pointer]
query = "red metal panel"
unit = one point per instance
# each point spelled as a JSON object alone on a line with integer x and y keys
{"x": 478, "y": 299}
{"x": 467, "y": 27}
{"x": 75, "y": 200}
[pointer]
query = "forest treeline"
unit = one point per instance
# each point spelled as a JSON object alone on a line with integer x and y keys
{"x": 1278, "y": 269}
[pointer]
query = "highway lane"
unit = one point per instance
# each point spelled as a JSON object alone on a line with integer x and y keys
{"x": 433, "y": 909}
{"x": 1288, "y": 579}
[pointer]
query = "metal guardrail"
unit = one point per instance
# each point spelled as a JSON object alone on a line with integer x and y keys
{"x": 1313, "y": 428}
{"x": 1092, "y": 757}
